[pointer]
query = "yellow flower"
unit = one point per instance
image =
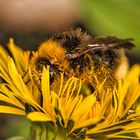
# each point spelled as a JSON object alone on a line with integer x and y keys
{"x": 21, "y": 58}
{"x": 66, "y": 113}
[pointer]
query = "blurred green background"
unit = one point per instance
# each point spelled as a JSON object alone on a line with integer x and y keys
{"x": 113, "y": 17}
{"x": 31, "y": 22}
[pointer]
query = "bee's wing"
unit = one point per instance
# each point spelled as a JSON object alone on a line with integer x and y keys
{"x": 114, "y": 42}
{"x": 82, "y": 50}
{"x": 101, "y": 43}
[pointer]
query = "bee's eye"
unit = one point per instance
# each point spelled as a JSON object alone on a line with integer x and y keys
{"x": 97, "y": 54}
{"x": 40, "y": 63}
{"x": 108, "y": 57}
{"x": 51, "y": 73}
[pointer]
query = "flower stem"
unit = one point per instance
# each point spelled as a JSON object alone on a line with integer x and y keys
{"x": 46, "y": 131}
{"x": 41, "y": 131}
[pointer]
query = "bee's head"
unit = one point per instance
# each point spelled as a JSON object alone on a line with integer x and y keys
{"x": 54, "y": 52}
{"x": 44, "y": 62}
{"x": 50, "y": 54}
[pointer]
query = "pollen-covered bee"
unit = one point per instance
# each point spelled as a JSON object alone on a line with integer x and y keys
{"x": 76, "y": 53}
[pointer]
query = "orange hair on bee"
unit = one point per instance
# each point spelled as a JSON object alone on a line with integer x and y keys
{"x": 55, "y": 53}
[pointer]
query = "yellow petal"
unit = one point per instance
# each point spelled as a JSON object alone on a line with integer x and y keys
{"x": 11, "y": 110}
{"x": 38, "y": 116}
{"x": 17, "y": 54}
{"x": 122, "y": 137}
{"x": 8, "y": 96}
{"x": 6, "y": 99}
{"x": 46, "y": 90}
{"x": 84, "y": 107}
{"x": 87, "y": 123}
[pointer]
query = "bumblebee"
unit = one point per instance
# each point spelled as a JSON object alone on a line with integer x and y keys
{"x": 76, "y": 53}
